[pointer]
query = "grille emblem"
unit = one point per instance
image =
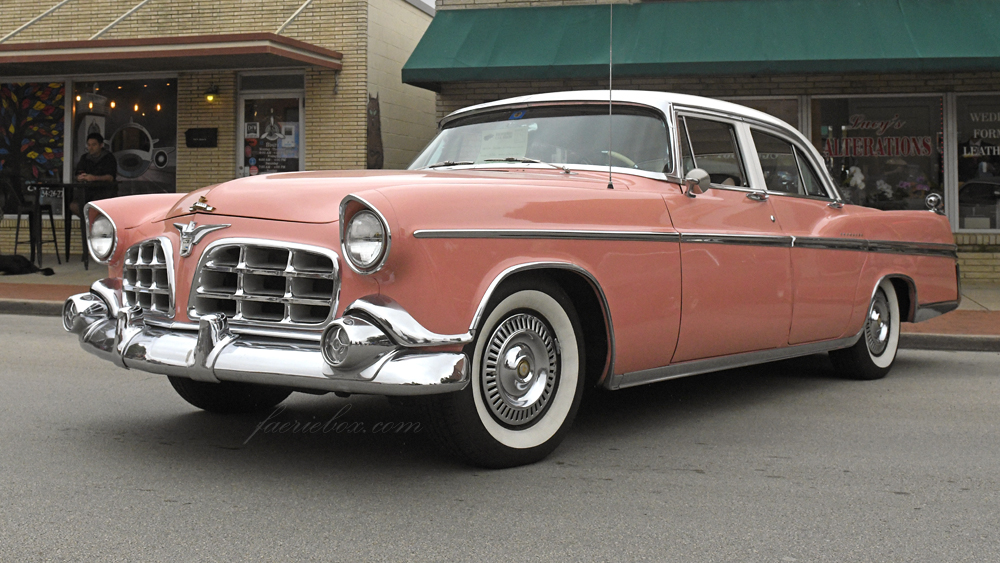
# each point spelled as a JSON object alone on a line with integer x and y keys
{"x": 191, "y": 235}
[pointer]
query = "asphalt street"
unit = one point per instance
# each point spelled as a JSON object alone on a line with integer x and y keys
{"x": 782, "y": 463}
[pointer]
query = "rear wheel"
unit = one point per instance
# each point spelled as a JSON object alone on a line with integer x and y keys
{"x": 527, "y": 380}
{"x": 228, "y": 397}
{"x": 873, "y": 355}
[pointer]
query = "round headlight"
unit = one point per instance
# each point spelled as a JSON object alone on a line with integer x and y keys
{"x": 102, "y": 238}
{"x": 364, "y": 240}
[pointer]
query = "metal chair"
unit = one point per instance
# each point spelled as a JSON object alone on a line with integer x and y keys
{"x": 27, "y": 205}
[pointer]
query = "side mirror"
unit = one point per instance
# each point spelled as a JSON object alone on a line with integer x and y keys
{"x": 697, "y": 181}
{"x": 935, "y": 203}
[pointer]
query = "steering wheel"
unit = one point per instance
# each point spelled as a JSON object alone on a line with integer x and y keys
{"x": 619, "y": 159}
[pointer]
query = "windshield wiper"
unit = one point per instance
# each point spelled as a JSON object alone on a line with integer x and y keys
{"x": 449, "y": 163}
{"x": 564, "y": 168}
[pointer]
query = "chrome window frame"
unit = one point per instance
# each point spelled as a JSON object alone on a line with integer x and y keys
{"x": 740, "y": 137}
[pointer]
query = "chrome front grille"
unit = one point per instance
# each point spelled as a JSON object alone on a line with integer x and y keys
{"x": 148, "y": 277}
{"x": 265, "y": 282}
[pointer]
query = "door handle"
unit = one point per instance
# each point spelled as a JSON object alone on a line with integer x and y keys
{"x": 757, "y": 196}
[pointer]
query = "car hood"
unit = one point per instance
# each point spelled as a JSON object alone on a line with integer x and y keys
{"x": 314, "y": 197}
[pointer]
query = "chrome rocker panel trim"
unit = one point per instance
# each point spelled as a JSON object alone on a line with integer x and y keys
{"x": 684, "y": 369}
{"x": 213, "y": 353}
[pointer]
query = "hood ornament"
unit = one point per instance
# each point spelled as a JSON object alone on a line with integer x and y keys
{"x": 191, "y": 235}
{"x": 202, "y": 205}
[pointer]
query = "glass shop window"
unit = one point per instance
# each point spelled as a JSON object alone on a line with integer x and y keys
{"x": 883, "y": 152}
{"x": 978, "y": 122}
{"x": 711, "y": 146}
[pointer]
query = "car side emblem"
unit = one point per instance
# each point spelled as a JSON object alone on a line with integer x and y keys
{"x": 191, "y": 235}
{"x": 202, "y": 205}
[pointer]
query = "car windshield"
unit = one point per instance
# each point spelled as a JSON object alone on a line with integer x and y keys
{"x": 554, "y": 135}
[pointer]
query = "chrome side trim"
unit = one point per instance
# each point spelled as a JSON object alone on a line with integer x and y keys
{"x": 747, "y": 240}
{"x": 916, "y": 248}
{"x": 400, "y": 326}
{"x": 556, "y": 234}
{"x": 822, "y": 243}
{"x": 696, "y": 367}
{"x": 931, "y": 310}
{"x": 343, "y": 234}
{"x": 481, "y": 310}
{"x": 787, "y": 241}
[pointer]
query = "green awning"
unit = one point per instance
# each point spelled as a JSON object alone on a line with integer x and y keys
{"x": 708, "y": 37}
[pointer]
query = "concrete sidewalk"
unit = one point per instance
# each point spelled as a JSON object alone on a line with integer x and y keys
{"x": 975, "y": 326}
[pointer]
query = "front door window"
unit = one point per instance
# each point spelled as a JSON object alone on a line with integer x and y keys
{"x": 271, "y": 136}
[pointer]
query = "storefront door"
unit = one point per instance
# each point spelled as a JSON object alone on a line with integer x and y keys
{"x": 271, "y": 125}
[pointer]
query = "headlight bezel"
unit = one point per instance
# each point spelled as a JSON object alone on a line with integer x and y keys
{"x": 92, "y": 213}
{"x": 350, "y": 207}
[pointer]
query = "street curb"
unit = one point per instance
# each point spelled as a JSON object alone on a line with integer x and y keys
{"x": 28, "y": 307}
{"x": 949, "y": 342}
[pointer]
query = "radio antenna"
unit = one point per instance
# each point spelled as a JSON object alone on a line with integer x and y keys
{"x": 611, "y": 63}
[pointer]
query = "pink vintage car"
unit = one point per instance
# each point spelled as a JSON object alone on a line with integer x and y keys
{"x": 537, "y": 247}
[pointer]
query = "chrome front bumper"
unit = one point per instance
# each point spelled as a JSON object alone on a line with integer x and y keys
{"x": 213, "y": 353}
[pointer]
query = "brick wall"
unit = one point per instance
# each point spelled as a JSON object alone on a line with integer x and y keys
{"x": 200, "y": 167}
{"x": 335, "y": 102}
{"x": 407, "y": 112}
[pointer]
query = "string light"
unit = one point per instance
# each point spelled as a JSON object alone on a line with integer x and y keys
{"x": 157, "y": 107}
{"x": 136, "y": 107}
{"x": 112, "y": 104}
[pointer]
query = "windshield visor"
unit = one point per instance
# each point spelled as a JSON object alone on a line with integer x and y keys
{"x": 562, "y": 135}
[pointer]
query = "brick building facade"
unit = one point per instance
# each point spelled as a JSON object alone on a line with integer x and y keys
{"x": 313, "y": 69}
{"x": 829, "y": 78}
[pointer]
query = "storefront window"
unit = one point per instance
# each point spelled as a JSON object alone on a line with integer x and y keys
{"x": 138, "y": 119}
{"x": 883, "y": 152}
{"x": 978, "y": 123}
{"x": 31, "y": 138}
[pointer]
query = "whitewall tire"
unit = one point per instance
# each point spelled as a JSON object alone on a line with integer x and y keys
{"x": 526, "y": 381}
{"x": 873, "y": 355}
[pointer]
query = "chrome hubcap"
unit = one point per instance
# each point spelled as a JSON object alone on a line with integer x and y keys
{"x": 878, "y": 324}
{"x": 519, "y": 369}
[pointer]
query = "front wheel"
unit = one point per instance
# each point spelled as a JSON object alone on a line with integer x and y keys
{"x": 527, "y": 380}
{"x": 872, "y": 356}
{"x": 228, "y": 397}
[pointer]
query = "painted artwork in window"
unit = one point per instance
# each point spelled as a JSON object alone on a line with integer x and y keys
{"x": 31, "y": 139}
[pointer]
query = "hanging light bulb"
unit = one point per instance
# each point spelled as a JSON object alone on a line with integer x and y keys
{"x": 112, "y": 104}
{"x": 136, "y": 107}
{"x": 157, "y": 107}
